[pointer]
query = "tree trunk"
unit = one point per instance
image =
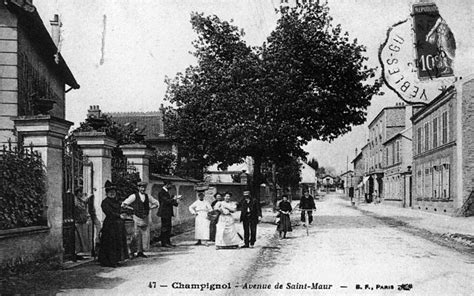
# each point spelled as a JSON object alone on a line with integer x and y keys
{"x": 275, "y": 193}
{"x": 257, "y": 177}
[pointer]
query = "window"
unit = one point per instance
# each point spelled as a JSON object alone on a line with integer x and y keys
{"x": 397, "y": 152}
{"x": 419, "y": 183}
{"x": 428, "y": 181}
{"x": 386, "y": 157}
{"x": 418, "y": 138}
{"x": 427, "y": 136}
{"x": 435, "y": 132}
{"x": 437, "y": 182}
{"x": 380, "y": 157}
{"x": 446, "y": 168}
{"x": 444, "y": 128}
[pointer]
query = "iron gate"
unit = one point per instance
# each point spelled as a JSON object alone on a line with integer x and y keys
{"x": 77, "y": 173}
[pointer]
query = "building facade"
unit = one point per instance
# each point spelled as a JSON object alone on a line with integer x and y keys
{"x": 389, "y": 122}
{"x": 443, "y": 150}
{"x": 397, "y": 168}
{"x": 33, "y": 75}
{"x": 34, "y": 80}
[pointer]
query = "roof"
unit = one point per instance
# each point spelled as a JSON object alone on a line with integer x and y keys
{"x": 359, "y": 155}
{"x": 444, "y": 94}
{"x": 383, "y": 110}
{"x": 348, "y": 172}
{"x": 150, "y": 122}
{"x": 327, "y": 176}
{"x": 172, "y": 178}
{"x": 397, "y": 135}
{"x": 31, "y": 21}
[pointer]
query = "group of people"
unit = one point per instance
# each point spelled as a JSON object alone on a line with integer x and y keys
{"x": 213, "y": 221}
{"x": 113, "y": 240}
{"x": 306, "y": 206}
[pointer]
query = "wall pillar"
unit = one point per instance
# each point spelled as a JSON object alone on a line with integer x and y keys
{"x": 139, "y": 155}
{"x": 45, "y": 134}
{"x": 98, "y": 149}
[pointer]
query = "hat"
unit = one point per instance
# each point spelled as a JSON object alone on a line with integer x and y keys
{"x": 246, "y": 192}
{"x": 141, "y": 183}
{"x": 109, "y": 186}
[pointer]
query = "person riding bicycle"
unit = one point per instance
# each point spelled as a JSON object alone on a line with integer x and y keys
{"x": 307, "y": 206}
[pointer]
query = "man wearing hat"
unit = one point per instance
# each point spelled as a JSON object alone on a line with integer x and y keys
{"x": 141, "y": 204}
{"x": 250, "y": 214}
{"x": 165, "y": 211}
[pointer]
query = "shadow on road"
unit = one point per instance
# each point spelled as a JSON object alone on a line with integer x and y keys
{"x": 90, "y": 275}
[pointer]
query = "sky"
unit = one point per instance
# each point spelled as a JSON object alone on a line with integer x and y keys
{"x": 120, "y": 51}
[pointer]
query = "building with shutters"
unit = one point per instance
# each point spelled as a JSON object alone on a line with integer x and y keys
{"x": 443, "y": 150}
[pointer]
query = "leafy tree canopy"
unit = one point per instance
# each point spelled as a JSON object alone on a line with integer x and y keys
{"x": 308, "y": 81}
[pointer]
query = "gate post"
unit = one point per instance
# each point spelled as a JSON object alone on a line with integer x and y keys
{"x": 97, "y": 146}
{"x": 138, "y": 155}
{"x": 45, "y": 133}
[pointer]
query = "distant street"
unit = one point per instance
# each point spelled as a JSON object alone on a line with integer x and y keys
{"x": 345, "y": 248}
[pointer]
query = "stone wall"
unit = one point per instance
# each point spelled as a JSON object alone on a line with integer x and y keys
{"x": 27, "y": 244}
{"x": 8, "y": 73}
{"x": 467, "y": 98}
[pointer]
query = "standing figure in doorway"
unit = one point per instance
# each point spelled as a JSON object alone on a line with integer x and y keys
{"x": 307, "y": 206}
{"x": 250, "y": 215}
{"x": 80, "y": 219}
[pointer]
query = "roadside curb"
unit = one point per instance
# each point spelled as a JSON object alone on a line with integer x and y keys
{"x": 461, "y": 242}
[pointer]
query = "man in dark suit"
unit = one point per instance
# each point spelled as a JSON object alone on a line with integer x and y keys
{"x": 250, "y": 215}
{"x": 307, "y": 206}
{"x": 165, "y": 211}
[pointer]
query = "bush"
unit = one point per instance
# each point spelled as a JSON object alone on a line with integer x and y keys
{"x": 22, "y": 189}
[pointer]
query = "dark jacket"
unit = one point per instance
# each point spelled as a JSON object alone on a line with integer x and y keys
{"x": 250, "y": 210}
{"x": 307, "y": 203}
{"x": 166, "y": 204}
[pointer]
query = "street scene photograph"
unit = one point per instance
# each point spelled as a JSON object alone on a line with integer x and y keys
{"x": 237, "y": 147}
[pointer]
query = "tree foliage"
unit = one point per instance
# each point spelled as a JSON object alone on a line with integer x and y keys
{"x": 313, "y": 163}
{"x": 308, "y": 81}
{"x": 22, "y": 188}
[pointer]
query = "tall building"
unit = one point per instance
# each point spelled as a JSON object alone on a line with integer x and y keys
{"x": 443, "y": 150}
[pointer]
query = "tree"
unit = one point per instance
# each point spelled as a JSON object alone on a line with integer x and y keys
{"x": 288, "y": 174}
{"x": 313, "y": 163}
{"x": 308, "y": 81}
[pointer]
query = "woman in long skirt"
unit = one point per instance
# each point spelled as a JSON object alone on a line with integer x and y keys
{"x": 200, "y": 208}
{"x": 284, "y": 208}
{"x": 113, "y": 240}
{"x": 226, "y": 233}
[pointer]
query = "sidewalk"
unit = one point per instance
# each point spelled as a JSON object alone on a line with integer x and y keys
{"x": 460, "y": 229}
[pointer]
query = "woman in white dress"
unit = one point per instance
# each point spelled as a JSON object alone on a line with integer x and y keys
{"x": 226, "y": 234}
{"x": 200, "y": 208}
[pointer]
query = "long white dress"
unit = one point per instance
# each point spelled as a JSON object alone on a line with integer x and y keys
{"x": 200, "y": 208}
{"x": 226, "y": 233}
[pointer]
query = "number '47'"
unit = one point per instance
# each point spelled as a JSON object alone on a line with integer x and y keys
{"x": 152, "y": 285}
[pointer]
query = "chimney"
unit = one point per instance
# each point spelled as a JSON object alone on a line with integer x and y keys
{"x": 94, "y": 111}
{"x": 356, "y": 151}
{"x": 55, "y": 29}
